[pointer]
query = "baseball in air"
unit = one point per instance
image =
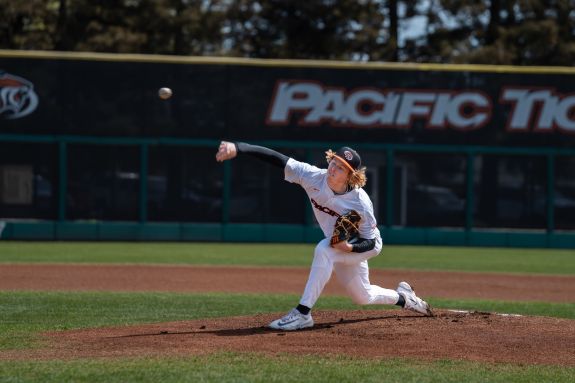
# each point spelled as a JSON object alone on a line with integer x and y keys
{"x": 165, "y": 93}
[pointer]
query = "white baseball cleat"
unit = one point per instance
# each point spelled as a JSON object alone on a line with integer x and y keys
{"x": 412, "y": 301}
{"x": 294, "y": 320}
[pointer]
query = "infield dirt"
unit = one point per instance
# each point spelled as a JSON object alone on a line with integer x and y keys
{"x": 366, "y": 333}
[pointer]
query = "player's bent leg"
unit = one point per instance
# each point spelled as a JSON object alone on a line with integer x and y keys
{"x": 355, "y": 280}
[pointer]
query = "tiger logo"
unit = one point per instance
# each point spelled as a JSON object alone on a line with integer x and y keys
{"x": 17, "y": 97}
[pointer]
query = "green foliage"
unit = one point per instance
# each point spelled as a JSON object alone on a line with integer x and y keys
{"x": 124, "y": 26}
{"x": 306, "y": 29}
{"x": 452, "y": 31}
{"x": 500, "y": 32}
{"x": 232, "y": 367}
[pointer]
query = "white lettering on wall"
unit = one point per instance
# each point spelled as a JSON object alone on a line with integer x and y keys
{"x": 307, "y": 103}
{"x": 543, "y": 110}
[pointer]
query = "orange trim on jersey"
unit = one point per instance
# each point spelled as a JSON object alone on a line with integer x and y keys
{"x": 344, "y": 162}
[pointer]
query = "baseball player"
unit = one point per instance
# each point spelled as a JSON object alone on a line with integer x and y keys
{"x": 333, "y": 192}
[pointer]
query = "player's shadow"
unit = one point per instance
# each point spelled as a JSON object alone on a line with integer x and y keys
{"x": 265, "y": 330}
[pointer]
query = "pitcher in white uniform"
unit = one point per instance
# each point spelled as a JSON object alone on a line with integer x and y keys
{"x": 333, "y": 192}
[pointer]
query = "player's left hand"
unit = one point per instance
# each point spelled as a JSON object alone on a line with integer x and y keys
{"x": 345, "y": 228}
{"x": 344, "y": 246}
{"x": 226, "y": 151}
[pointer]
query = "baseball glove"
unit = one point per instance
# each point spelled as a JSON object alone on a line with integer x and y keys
{"x": 346, "y": 227}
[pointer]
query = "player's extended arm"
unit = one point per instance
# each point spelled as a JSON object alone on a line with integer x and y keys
{"x": 229, "y": 150}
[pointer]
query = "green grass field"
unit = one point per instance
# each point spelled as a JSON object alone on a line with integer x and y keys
{"x": 503, "y": 260}
{"x": 285, "y": 368}
{"x": 23, "y": 315}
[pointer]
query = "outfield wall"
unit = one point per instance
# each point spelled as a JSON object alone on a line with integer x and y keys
{"x": 467, "y": 154}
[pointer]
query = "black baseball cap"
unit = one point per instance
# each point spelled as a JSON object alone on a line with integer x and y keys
{"x": 349, "y": 157}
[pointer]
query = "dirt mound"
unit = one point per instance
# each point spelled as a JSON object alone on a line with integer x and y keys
{"x": 456, "y": 335}
{"x": 371, "y": 334}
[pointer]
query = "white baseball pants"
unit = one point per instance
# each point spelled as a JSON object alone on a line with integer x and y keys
{"x": 352, "y": 273}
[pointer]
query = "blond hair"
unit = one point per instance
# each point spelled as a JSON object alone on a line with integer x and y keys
{"x": 356, "y": 179}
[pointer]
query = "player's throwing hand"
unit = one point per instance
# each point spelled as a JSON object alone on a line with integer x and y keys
{"x": 226, "y": 151}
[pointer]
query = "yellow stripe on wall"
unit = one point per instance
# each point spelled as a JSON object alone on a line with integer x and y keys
{"x": 332, "y": 64}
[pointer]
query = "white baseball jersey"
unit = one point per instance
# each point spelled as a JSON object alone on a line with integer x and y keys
{"x": 326, "y": 203}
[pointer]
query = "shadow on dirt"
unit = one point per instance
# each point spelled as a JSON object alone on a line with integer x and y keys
{"x": 265, "y": 330}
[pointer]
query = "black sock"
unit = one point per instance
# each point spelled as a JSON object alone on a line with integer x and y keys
{"x": 401, "y": 301}
{"x": 303, "y": 309}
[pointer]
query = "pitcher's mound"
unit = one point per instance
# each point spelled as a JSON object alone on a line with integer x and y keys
{"x": 450, "y": 334}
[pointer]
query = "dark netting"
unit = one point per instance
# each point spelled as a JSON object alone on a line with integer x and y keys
{"x": 259, "y": 193}
{"x": 28, "y": 180}
{"x": 510, "y": 192}
{"x": 429, "y": 190}
{"x": 565, "y": 193}
{"x": 185, "y": 184}
{"x": 103, "y": 182}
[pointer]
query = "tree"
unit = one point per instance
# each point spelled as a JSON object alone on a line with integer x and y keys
{"x": 534, "y": 32}
{"x": 123, "y": 26}
{"x": 26, "y": 24}
{"x": 303, "y": 29}
{"x": 519, "y": 32}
